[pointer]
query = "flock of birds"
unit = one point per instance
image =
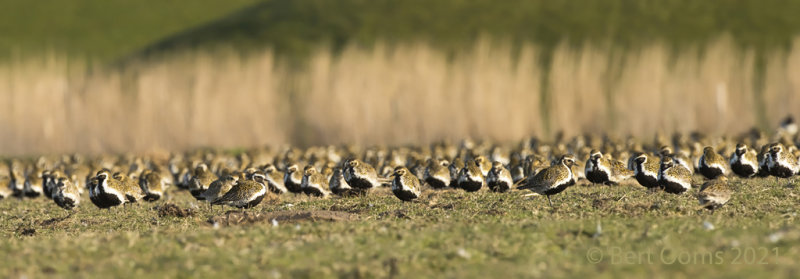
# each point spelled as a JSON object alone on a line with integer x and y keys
{"x": 547, "y": 169}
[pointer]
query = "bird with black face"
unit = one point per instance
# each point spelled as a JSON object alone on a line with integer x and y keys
{"x": 646, "y": 169}
{"x": 360, "y": 175}
{"x": 67, "y": 195}
{"x": 712, "y": 164}
{"x": 781, "y": 163}
{"x": 293, "y": 178}
{"x": 106, "y": 191}
{"x": 679, "y": 158}
{"x": 339, "y": 186}
{"x": 499, "y": 178}
{"x": 471, "y": 178}
{"x": 405, "y": 186}
{"x": 763, "y": 158}
{"x": 674, "y": 178}
{"x": 152, "y": 184}
{"x": 437, "y": 174}
{"x": 743, "y": 161}
{"x": 34, "y": 183}
{"x": 275, "y": 181}
{"x": 455, "y": 168}
{"x": 314, "y": 183}
{"x": 602, "y": 170}
{"x": 552, "y": 180}
{"x": 200, "y": 181}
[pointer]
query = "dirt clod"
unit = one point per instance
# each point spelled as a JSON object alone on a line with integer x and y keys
{"x": 172, "y": 210}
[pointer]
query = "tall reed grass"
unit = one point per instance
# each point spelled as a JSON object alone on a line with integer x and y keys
{"x": 389, "y": 95}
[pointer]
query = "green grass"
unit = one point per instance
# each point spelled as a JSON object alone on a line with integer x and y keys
{"x": 100, "y": 30}
{"x": 446, "y": 234}
{"x": 109, "y": 30}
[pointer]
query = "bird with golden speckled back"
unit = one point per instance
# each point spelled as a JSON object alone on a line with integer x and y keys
{"x": 552, "y": 180}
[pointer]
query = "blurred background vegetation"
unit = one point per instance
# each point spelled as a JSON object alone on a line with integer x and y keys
{"x": 434, "y": 68}
{"x": 108, "y": 30}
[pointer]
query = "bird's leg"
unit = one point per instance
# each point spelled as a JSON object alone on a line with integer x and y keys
{"x": 549, "y": 201}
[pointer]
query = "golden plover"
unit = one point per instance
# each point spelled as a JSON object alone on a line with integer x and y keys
{"x": 781, "y": 163}
{"x": 200, "y": 180}
{"x": 360, "y": 175}
{"x": 712, "y": 164}
{"x": 437, "y": 174}
{"x": 714, "y": 193}
{"x": 646, "y": 169}
{"x": 275, "y": 181}
{"x": 499, "y": 178}
{"x": 67, "y": 194}
{"x": 314, "y": 182}
{"x": 552, "y": 180}
{"x": 245, "y": 193}
{"x": 293, "y": 178}
{"x": 743, "y": 161}
{"x": 471, "y": 178}
{"x": 674, "y": 178}
{"x": 405, "y": 186}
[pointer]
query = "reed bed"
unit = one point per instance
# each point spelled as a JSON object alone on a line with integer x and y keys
{"x": 390, "y": 94}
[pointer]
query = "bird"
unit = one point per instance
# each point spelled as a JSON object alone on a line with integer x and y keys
{"x": 34, "y": 186}
{"x": 219, "y": 188}
{"x": 712, "y": 164}
{"x": 781, "y": 163}
{"x": 5, "y": 187}
{"x": 646, "y": 170}
{"x": 360, "y": 175}
{"x": 787, "y": 127}
{"x": 499, "y": 178}
{"x": 673, "y": 177}
{"x": 679, "y": 158}
{"x": 454, "y": 168}
{"x": 48, "y": 184}
{"x": 484, "y": 165}
{"x": 17, "y": 178}
{"x": 108, "y": 192}
{"x": 245, "y": 193}
{"x": 131, "y": 189}
{"x": 743, "y": 161}
{"x": 437, "y": 174}
{"x": 292, "y": 179}
{"x": 551, "y": 180}
{"x": 274, "y": 179}
{"x": 314, "y": 182}
{"x": 763, "y": 158}
{"x": 339, "y": 186}
{"x": 471, "y": 178}
{"x": 152, "y": 184}
{"x": 714, "y": 193}
{"x": 405, "y": 186}
{"x": 200, "y": 180}
{"x": 601, "y": 170}
{"x": 67, "y": 194}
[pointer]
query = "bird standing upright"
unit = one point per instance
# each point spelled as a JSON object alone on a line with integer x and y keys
{"x": 552, "y": 180}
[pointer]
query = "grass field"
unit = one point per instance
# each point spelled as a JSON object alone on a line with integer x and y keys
{"x": 591, "y": 232}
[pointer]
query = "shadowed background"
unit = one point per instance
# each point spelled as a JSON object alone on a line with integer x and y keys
{"x": 143, "y": 75}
